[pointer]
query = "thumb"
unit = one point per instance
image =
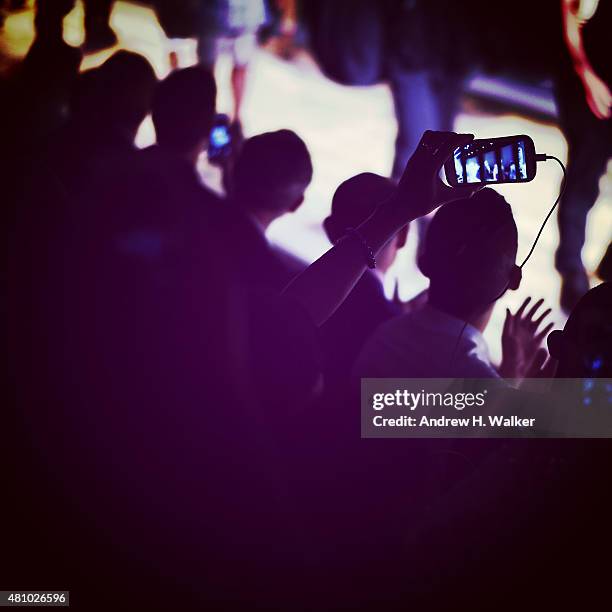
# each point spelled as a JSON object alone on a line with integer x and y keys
{"x": 467, "y": 190}
{"x": 460, "y": 192}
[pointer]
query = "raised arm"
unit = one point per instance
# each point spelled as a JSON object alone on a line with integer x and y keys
{"x": 597, "y": 92}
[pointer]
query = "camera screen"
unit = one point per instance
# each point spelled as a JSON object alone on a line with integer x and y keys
{"x": 491, "y": 161}
{"x": 219, "y": 136}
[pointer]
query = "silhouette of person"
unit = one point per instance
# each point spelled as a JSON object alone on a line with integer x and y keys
{"x": 584, "y": 348}
{"x": 108, "y": 104}
{"x": 470, "y": 260}
{"x": 50, "y": 14}
{"x": 366, "y": 307}
{"x": 268, "y": 180}
{"x": 230, "y": 26}
{"x": 584, "y": 100}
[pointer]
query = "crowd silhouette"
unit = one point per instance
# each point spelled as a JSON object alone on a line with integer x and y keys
{"x": 182, "y": 412}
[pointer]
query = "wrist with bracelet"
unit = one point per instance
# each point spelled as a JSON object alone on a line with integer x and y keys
{"x": 368, "y": 252}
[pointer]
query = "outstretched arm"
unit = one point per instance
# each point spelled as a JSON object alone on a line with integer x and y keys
{"x": 597, "y": 92}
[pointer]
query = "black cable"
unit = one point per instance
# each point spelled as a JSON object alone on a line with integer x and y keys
{"x": 550, "y": 212}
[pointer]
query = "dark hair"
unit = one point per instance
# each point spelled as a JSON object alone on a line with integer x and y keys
{"x": 584, "y": 347}
{"x": 470, "y": 251}
{"x": 354, "y": 201}
{"x": 119, "y": 92}
{"x": 590, "y": 322}
{"x": 184, "y": 108}
{"x": 271, "y": 170}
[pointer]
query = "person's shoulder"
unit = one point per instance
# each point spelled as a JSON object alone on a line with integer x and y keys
{"x": 292, "y": 262}
{"x": 290, "y": 265}
{"x": 369, "y": 293}
{"x": 470, "y": 366}
{"x": 397, "y": 326}
{"x": 393, "y": 345}
{"x": 212, "y": 198}
{"x": 381, "y": 347}
{"x": 148, "y": 158}
{"x": 371, "y": 285}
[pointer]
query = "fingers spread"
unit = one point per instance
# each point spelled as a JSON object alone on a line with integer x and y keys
{"x": 536, "y": 322}
{"x": 539, "y": 337}
{"x": 534, "y": 309}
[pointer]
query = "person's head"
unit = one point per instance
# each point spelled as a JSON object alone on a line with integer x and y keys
{"x": 584, "y": 347}
{"x": 470, "y": 254}
{"x": 354, "y": 201}
{"x": 115, "y": 96}
{"x": 184, "y": 110}
{"x": 271, "y": 174}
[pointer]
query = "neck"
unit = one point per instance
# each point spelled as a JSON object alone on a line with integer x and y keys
{"x": 263, "y": 217}
{"x": 478, "y": 319}
{"x": 190, "y": 156}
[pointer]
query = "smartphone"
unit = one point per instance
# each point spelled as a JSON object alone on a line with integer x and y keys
{"x": 510, "y": 159}
{"x": 220, "y": 140}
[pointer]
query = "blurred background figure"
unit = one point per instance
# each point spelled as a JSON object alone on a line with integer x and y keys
{"x": 230, "y": 26}
{"x": 108, "y": 104}
{"x": 585, "y": 101}
{"x": 8, "y": 6}
{"x": 408, "y": 44}
{"x": 35, "y": 94}
{"x": 161, "y": 183}
{"x": 179, "y": 21}
{"x": 98, "y": 32}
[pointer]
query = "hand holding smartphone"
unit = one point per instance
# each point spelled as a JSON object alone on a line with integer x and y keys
{"x": 220, "y": 140}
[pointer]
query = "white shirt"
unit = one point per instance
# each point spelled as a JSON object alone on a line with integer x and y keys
{"x": 421, "y": 344}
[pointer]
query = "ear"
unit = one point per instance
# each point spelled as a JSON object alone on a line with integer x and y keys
{"x": 554, "y": 342}
{"x": 402, "y": 237}
{"x": 296, "y": 204}
{"x": 423, "y": 263}
{"x": 328, "y": 226}
{"x": 516, "y": 276}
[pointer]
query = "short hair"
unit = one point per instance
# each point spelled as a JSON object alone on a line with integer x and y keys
{"x": 589, "y": 324}
{"x": 184, "y": 108}
{"x": 271, "y": 170}
{"x": 118, "y": 92}
{"x": 354, "y": 201}
{"x": 470, "y": 251}
{"x": 584, "y": 347}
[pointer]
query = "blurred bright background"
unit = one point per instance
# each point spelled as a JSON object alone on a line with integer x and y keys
{"x": 350, "y": 130}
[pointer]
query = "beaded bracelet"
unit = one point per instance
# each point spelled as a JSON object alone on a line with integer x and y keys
{"x": 367, "y": 249}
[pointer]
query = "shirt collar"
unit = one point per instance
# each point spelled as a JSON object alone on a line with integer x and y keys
{"x": 442, "y": 322}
